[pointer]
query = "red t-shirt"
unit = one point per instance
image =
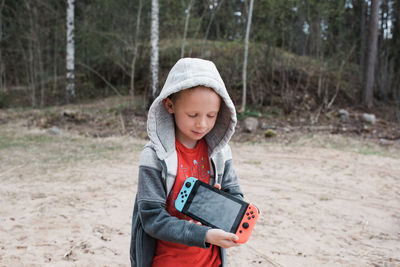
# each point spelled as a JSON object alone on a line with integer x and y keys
{"x": 191, "y": 163}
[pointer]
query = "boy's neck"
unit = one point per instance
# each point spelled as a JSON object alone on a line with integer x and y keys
{"x": 188, "y": 143}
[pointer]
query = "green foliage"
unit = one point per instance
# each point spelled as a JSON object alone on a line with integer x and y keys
{"x": 8, "y": 140}
{"x": 248, "y": 113}
{"x": 270, "y": 133}
{"x": 293, "y": 46}
{"x": 48, "y": 147}
{"x": 4, "y": 100}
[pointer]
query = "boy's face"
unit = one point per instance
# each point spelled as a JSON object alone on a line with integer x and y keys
{"x": 195, "y": 111}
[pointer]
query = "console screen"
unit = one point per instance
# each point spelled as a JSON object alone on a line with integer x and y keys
{"x": 214, "y": 208}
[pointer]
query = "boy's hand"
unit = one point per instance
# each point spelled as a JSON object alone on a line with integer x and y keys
{"x": 221, "y": 238}
{"x": 192, "y": 221}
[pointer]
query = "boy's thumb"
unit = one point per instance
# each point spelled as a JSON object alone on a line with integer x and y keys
{"x": 235, "y": 237}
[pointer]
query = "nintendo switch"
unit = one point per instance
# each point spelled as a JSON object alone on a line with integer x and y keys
{"x": 217, "y": 209}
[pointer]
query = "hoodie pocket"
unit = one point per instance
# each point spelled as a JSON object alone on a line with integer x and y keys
{"x": 139, "y": 245}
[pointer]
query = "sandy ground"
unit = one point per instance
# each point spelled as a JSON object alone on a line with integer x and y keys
{"x": 66, "y": 200}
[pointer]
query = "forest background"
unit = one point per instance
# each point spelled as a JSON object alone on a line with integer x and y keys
{"x": 320, "y": 162}
{"x": 304, "y": 56}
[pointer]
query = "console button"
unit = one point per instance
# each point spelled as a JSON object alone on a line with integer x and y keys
{"x": 245, "y": 225}
{"x": 188, "y": 184}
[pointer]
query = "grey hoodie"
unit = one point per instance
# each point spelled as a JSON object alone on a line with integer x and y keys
{"x": 158, "y": 164}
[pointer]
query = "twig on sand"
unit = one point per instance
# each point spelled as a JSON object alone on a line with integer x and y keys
{"x": 11, "y": 169}
{"x": 104, "y": 247}
{"x": 69, "y": 252}
{"x": 271, "y": 261}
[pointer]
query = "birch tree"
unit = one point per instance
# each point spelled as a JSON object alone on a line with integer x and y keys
{"x": 246, "y": 49}
{"x": 369, "y": 76}
{"x": 186, "y": 27}
{"x": 154, "y": 49}
{"x": 70, "y": 58}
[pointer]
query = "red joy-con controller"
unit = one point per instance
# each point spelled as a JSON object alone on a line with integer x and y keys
{"x": 247, "y": 224}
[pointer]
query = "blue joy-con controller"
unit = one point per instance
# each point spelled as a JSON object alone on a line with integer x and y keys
{"x": 184, "y": 193}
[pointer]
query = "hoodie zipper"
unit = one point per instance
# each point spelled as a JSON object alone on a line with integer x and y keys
{"x": 214, "y": 171}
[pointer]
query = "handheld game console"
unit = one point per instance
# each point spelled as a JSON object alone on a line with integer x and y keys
{"x": 217, "y": 209}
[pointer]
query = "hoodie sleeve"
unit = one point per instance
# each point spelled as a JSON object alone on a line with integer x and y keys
{"x": 154, "y": 218}
{"x": 230, "y": 182}
{"x": 229, "y": 179}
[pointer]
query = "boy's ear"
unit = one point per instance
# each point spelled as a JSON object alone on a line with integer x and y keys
{"x": 169, "y": 105}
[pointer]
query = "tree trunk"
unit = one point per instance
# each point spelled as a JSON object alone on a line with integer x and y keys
{"x": 135, "y": 52}
{"x": 214, "y": 11}
{"x": 363, "y": 38}
{"x": 186, "y": 27}
{"x": 70, "y": 58}
{"x": 1, "y": 60}
{"x": 32, "y": 67}
{"x": 384, "y": 70}
{"x": 154, "y": 50}
{"x": 369, "y": 77}
{"x": 395, "y": 44}
{"x": 246, "y": 48}
{"x": 38, "y": 53}
{"x": 55, "y": 60}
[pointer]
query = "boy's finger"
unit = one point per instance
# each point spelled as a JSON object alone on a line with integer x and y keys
{"x": 234, "y": 237}
{"x": 218, "y": 186}
{"x": 231, "y": 237}
{"x": 230, "y": 244}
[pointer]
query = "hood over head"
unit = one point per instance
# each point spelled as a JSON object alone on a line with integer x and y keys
{"x": 188, "y": 73}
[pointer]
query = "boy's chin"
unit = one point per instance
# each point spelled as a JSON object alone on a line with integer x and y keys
{"x": 197, "y": 137}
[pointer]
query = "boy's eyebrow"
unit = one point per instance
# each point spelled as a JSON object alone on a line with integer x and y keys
{"x": 198, "y": 111}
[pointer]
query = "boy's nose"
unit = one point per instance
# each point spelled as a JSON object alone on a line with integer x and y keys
{"x": 202, "y": 122}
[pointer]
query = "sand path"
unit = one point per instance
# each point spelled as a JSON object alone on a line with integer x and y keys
{"x": 66, "y": 200}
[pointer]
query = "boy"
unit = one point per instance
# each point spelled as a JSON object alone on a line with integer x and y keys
{"x": 189, "y": 126}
